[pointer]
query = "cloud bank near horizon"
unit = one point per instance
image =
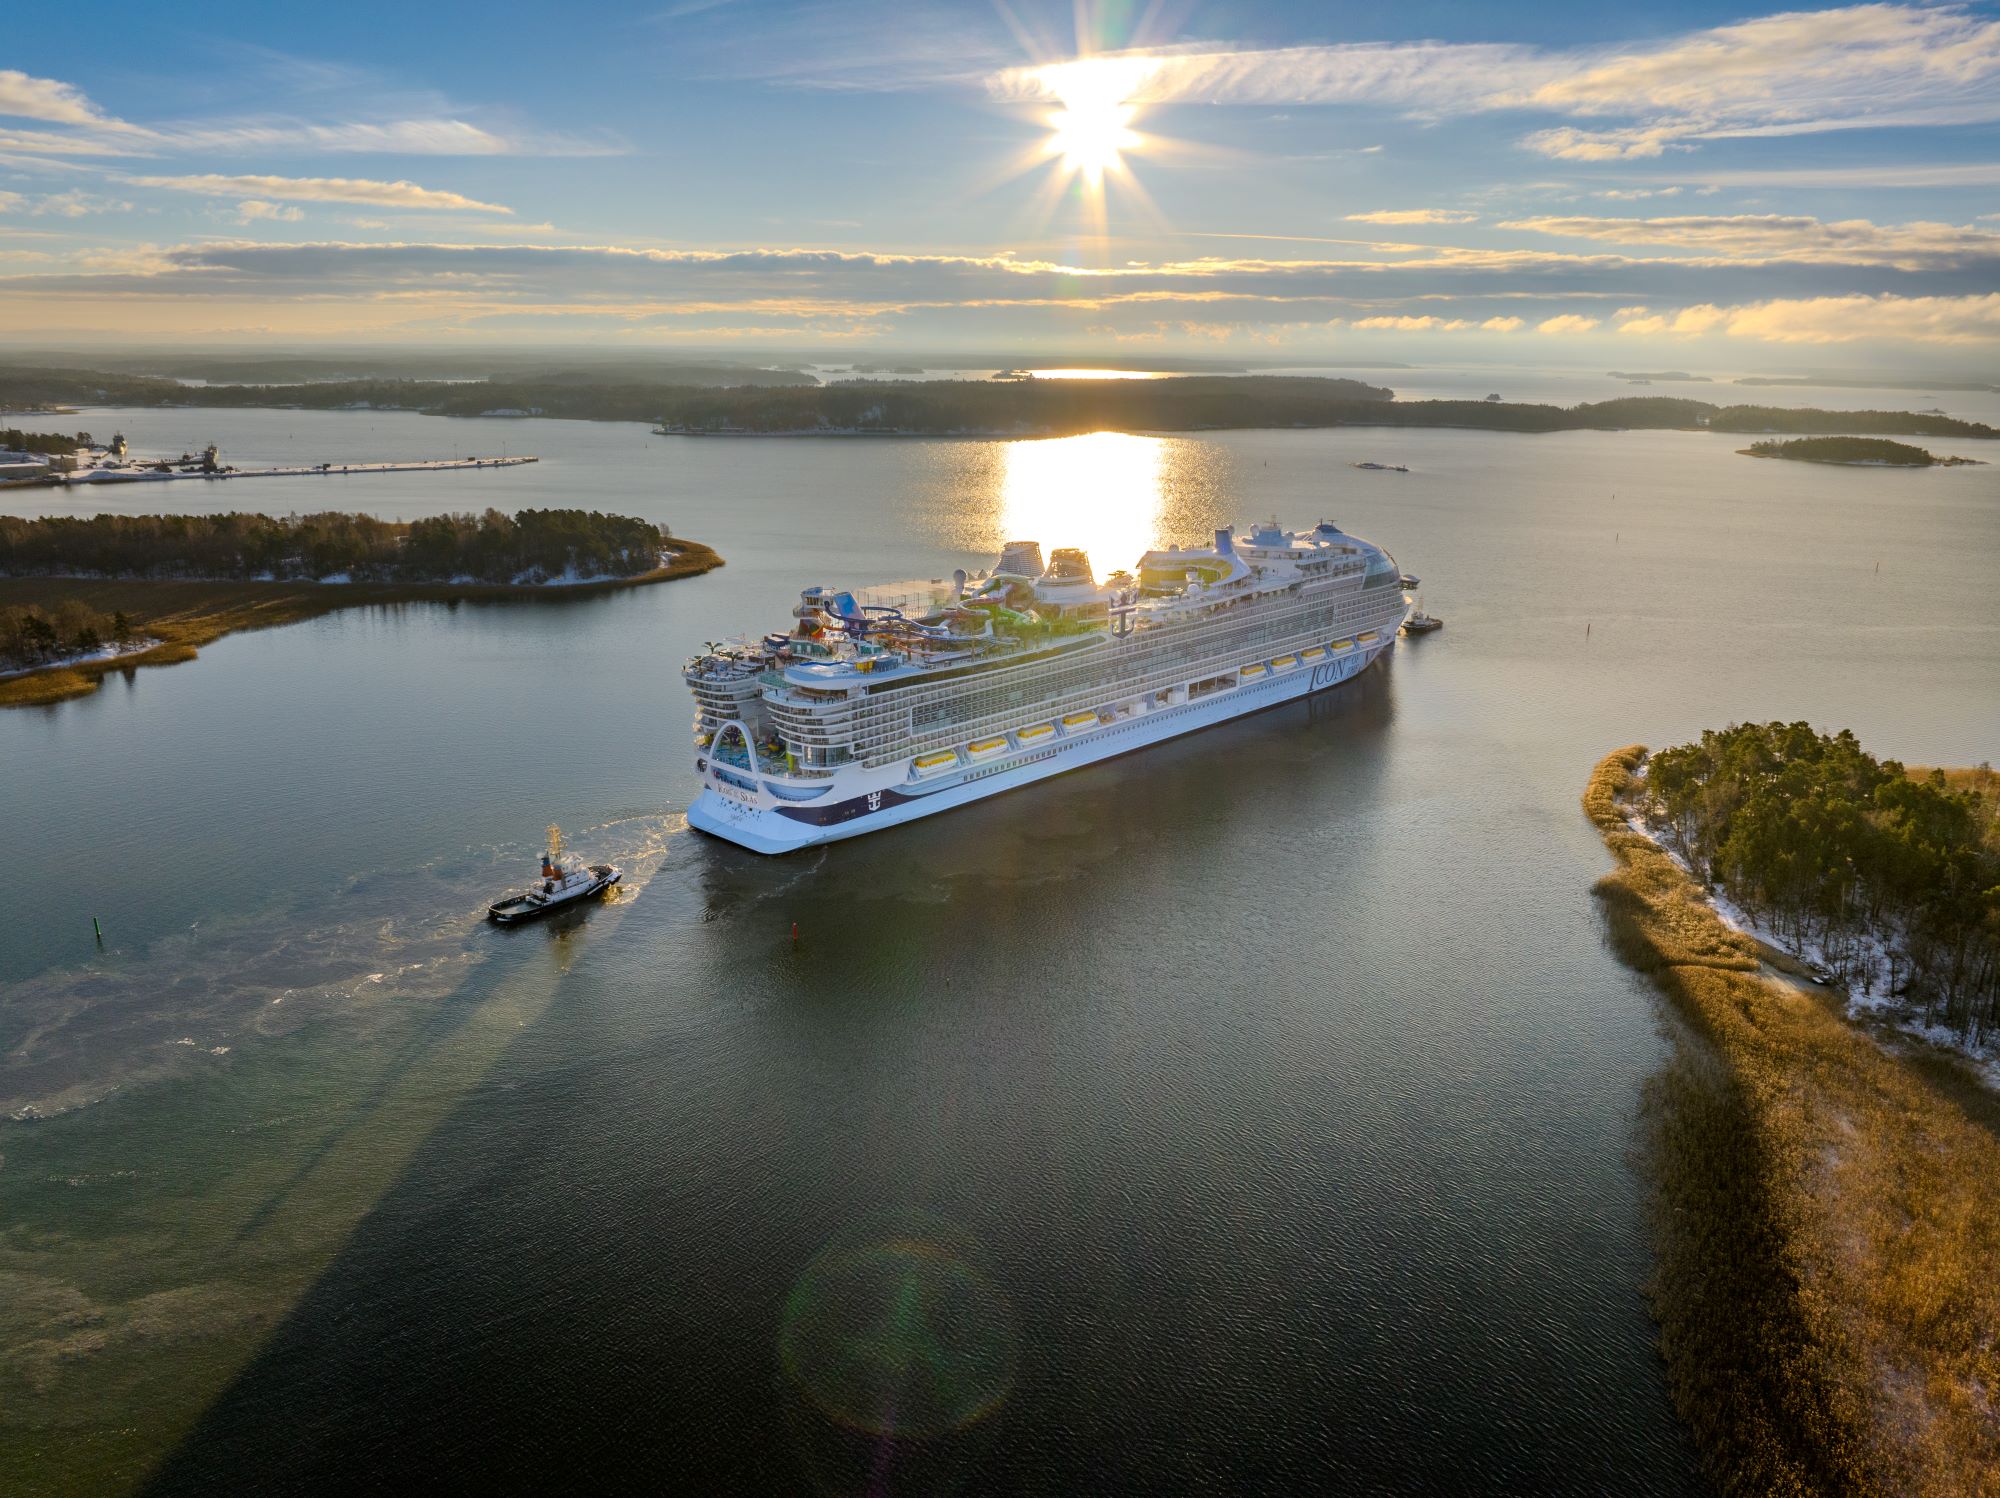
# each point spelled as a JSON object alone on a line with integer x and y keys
{"x": 809, "y": 294}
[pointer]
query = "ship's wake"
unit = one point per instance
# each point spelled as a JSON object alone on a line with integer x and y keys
{"x": 381, "y": 941}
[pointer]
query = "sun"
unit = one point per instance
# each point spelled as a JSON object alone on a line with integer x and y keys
{"x": 1092, "y": 129}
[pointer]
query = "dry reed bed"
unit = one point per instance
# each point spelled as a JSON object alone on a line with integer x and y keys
{"x": 1827, "y": 1220}
{"x": 184, "y": 616}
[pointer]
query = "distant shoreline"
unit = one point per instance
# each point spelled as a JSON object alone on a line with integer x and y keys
{"x": 183, "y": 614}
{"x": 985, "y": 410}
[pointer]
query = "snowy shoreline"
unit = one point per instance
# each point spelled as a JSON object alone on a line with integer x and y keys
{"x": 100, "y": 656}
{"x": 1862, "y": 999}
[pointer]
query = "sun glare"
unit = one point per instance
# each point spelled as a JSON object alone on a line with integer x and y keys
{"x": 1092, "y": 130}
{"x": 1104, "y": 492}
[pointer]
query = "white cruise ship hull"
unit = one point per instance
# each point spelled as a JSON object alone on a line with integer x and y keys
{"x": 862, "y": 801}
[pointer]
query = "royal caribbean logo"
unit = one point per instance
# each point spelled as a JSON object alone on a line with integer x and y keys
{"x": 874, "y": 800}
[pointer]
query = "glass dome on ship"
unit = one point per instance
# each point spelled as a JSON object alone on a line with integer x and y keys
{"x": 884, "y": 704}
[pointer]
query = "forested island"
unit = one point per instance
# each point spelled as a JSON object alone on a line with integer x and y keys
{"x": 1659, "y": 374}
{"x": 1824, "y": 1208}
{"x": 1010, "y": 408}
{"x": 81, "y": 596}
{"x": 1861, "y": 452}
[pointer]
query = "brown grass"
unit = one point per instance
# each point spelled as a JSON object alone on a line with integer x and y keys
{"x": 184, "y": 616}
{"x": 1827, "y": 1217}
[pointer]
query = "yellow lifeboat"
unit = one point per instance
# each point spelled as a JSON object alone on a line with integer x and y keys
{"x": 1080, "y": 720}
{"x": 930, "y": 764}
{"x": 1312, "y": 652}
{"x": 1284, "y": 663}
{"x": 985, "y": 748}
{"x": 1340, "y": 645}
{"x": 1255, "y": 668}
{"x": 1369, "y": 636}
{"x": 1034, "y": 732}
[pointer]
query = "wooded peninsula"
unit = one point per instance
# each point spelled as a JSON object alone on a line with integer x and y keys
{"x": 80, "y": 597}
{"x": 1823, "y": 1204}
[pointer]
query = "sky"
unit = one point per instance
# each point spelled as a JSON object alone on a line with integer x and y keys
{"x": 1686, "y": 185}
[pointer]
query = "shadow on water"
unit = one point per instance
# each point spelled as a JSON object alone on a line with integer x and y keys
{"x": 399, "y": 1069}
{"x": 701, "y": 1229}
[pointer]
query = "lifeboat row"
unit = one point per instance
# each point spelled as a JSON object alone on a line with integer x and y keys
{"x": 1311, "y": 654}
{"x": 936, "y": 763}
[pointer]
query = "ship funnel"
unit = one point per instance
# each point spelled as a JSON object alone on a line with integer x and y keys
{"x": 1225, "y": 541}
{"x": 1021, "y": 559}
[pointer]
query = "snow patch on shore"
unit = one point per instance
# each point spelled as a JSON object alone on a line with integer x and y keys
{"x": 135, "y": 646}
{"x": 1864, "y": 997}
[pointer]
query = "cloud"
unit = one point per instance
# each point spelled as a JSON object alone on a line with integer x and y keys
{"x": 323, "y": 190}
{"x": 1915, "y": 174}
{"x": 25, "y": 98}
{"x": 443, "y": 287}
{"x": 1407, "y": 324}
{"x": 75, "y": 203}
{"x": 1797, "y": 72}
{"x": 1413, "y": 216}
{"x": 1915, "y": 246}
{"x": 252, "y": 210}
{"x": 88, "y": 131}
{"x": 1628, "y": 194}
{"x": 1848, "y": 319}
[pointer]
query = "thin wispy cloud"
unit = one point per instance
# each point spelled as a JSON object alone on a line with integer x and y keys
{"x": 89, "y": 131}
{"x": 322, "y": 190}
{"x": 1794, "y": 73}
{"x": 254, "y": 211}
{"x": 1914, "y": 246}
{"x": 1413, "y": 216}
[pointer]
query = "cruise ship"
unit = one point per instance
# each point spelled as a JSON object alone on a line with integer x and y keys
{"x": 885, "y": 704}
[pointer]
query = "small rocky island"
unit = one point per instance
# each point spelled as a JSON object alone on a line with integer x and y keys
{"x": 1858, "y": 452}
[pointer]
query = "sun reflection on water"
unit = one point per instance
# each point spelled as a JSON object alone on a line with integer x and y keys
{"x": 1104, "y": 492}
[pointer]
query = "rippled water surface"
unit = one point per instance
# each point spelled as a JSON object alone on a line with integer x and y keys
{"x": 1250, "y": 1114}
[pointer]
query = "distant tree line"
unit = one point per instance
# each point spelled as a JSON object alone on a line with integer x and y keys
{"x": 34, "y": 636}
{"x": 532, "y": 546}
{"x": 1896, "y": 879}
{"x": 756, "y": 402}
{"x": 13, "y": 439}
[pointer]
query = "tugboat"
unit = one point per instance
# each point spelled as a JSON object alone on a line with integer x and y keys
{"x": 562, "y": 885}
{"x": 1420, "y": 623}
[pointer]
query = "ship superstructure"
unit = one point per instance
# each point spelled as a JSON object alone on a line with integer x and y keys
{"x": 883, "y": 704}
